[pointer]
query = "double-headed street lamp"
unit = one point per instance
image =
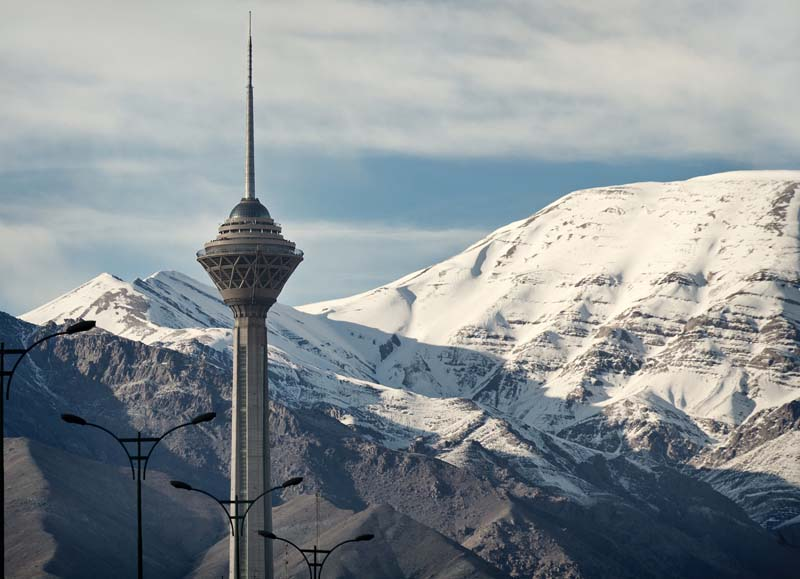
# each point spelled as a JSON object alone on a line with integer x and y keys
{"x": 236, "y": 520}
{"x": 140, "y": 458}
{"x": 315, "y": 565}
{"x": 5, "y": 385}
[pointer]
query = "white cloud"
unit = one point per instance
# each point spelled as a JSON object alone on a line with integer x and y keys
{"x": 581, "y": 80}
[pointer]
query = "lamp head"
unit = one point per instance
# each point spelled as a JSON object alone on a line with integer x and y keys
{"x": 292, "y": 482}
{"x": 365, "y": 537}
{"x": 204, "y": 417}
{"x": 82, "y": 326}
{"x": 181, "y": 485}
{"x": 72, "y": 419}
{"x": 267, "y": 534}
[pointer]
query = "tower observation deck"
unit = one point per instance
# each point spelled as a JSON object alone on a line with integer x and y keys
{"x": 249, "y": 262}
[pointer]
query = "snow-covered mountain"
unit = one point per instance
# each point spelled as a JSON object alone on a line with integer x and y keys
{"x": 683, "y": 291}
{"x": 644, "y": 324}
{"x": 166, "y": 307}
{"x": 316, "y": 362}
{"x": 653, "y": 317}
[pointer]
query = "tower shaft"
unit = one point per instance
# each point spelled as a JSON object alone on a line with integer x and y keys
{"x": 250, "y": 456}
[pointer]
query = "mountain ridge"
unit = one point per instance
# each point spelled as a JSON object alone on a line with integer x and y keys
{"x": 615, "y": 333}
{"x": 522, "y": 529}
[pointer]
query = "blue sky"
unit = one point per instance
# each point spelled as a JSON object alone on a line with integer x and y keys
{"x": 389, "y": 135}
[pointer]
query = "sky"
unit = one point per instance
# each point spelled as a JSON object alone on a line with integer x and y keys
{"x": 389, "y": 134}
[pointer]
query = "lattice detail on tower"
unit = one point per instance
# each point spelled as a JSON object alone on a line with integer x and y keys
{"x": 240, "y": 270}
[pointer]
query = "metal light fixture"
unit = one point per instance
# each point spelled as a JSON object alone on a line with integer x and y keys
{"x": 141, "y": 459}
{"x": 315, "y": 564}
{"x": 236, "y": 520}
{"x": 82, "y": 326}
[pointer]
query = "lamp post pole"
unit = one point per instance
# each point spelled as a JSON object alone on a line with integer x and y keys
{"x": 236, "y": 520}
{"x": 236, "y": 533}
{"x": 5, "y": 393}
{"x": 315, "y": 566}
{"x": 141, "y": 459}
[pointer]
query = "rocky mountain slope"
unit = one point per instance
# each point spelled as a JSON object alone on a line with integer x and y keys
{"x": 630, "y": 521}
{"x": 652, "y": 318}
{"x": 573, "y": 362}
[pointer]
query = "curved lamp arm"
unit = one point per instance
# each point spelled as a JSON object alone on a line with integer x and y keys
{"x": 274, "y": 537}
{"x": 81, "y": 326}
{"x": 28, "y": 349}
{"x": 160, "y": 438}
{"x": 201, "y": 418}
{"x": 183, "y": 486}
{"x": 115, "y": 437}
{"x": 289, "y": 483}
{"x": 358, "y": 539}
{"x": 247, "y": 510}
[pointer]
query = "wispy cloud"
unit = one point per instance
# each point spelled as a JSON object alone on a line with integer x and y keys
{"x": 587, "y": 80}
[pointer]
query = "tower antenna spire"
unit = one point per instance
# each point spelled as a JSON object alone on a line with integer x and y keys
{"x": 250, "y": 49}
{"x": 249, "y": 162}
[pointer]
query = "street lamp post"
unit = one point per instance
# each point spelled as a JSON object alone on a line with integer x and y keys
{"x": 5, "y": 389}
{"x": 236, "y": 520}
{"x": 315, "y": 565}
{"x": 140, "y": 458}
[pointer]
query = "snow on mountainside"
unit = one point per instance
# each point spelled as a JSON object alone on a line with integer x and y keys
{"x": 167, "y": 307}
{"x": 685, "y": 292}
{"x": 650, "y": 320}
{"x": 653, "y": 319}
{"x": 317, "y": 362}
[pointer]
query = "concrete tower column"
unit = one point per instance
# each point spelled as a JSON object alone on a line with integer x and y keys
{"x": 250, "y": 457}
